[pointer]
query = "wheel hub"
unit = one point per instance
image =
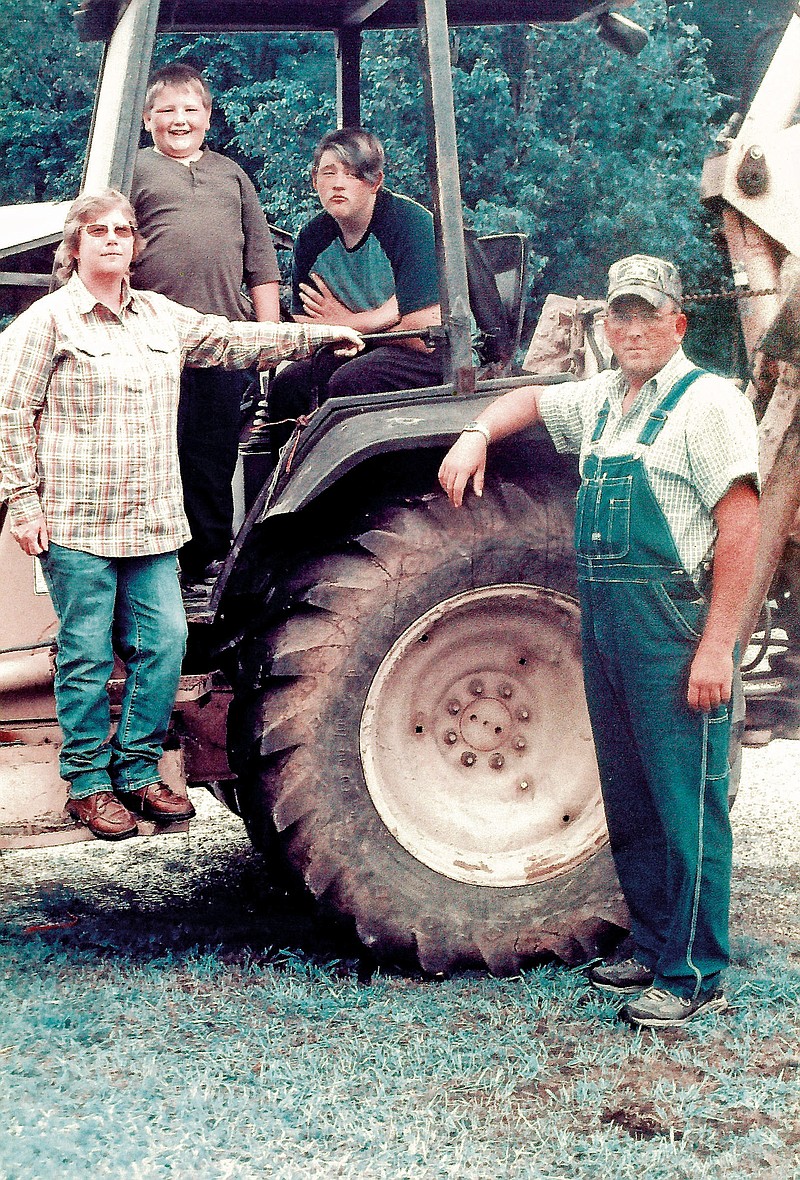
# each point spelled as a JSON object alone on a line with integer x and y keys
{"x": 485, "y": 724}
{"x": 475, "y": 739}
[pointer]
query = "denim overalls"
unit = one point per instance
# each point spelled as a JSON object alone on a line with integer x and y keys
{"x": 663, "y": 767}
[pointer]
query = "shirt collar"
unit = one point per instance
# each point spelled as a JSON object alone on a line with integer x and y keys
{"x": 180, "y": 159}
{"x": 658, "y": 386}
{"x": 85, "y": 301}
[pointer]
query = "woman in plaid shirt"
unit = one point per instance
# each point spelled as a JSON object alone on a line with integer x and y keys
{"x": 89, "y": 382}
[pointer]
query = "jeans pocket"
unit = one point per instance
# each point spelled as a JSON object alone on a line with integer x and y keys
{"x": 685, "y": 611}
{"x": 717, "y": 756}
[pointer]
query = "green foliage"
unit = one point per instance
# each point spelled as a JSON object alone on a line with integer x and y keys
{"x": 590, "y": 154}
{"x": 606, "y": 152}
{"x": 47, "y": 83}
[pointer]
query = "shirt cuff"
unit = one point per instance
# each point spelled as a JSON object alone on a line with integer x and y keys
{"x": 552, "y": 419}
{"x": 320, "y": 334}
{"x": 25, "y": 507}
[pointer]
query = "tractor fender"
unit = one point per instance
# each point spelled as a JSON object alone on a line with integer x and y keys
{"x": 351, "y": 430}
{"x": 347, "y": 432}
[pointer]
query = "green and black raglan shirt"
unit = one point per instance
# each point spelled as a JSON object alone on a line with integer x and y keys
{"x": 396, "y": 256}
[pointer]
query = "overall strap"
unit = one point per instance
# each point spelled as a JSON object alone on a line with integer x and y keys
{"x": 654, "y": 424}
{"x": 602, "y": 418}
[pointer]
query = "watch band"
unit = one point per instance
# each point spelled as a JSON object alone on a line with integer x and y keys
{"x": 478, "y": 428}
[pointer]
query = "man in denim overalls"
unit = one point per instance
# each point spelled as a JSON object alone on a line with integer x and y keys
{"x": 666, "y": 531}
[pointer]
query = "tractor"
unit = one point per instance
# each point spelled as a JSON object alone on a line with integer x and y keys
{"x": 388, "y": 692}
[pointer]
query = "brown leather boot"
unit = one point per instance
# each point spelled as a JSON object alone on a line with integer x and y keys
{"x": 157, "y": 802}
{"x": 104, "y": 816}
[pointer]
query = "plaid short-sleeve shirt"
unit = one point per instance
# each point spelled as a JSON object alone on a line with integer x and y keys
{"x": 88, "y": 405}
{"x": 709, "y": 441}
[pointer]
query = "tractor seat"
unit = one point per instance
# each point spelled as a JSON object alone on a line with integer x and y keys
{"x": 497, "y": 267}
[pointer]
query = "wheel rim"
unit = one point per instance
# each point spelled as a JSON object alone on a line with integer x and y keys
{"x": 475, "y": 739}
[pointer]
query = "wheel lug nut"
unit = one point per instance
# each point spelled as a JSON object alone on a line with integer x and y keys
{"x": 454, "y": 708}
{"x": 523, "y": 786}
{"x": 451, "y": 737}
{"x": 468, "y": 758}
{"x": 519, "y": 743}
{"x": 497, "y": 761}
{"x": 476, "y": 688}
{"x": 523, "y": 715}
{"x": 505, "y": 691}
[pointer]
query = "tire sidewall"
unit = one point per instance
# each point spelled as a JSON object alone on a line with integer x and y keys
{"x": 484, "y": 545}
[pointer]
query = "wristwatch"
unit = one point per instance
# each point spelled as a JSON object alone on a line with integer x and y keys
{"x": 478, "y": 428}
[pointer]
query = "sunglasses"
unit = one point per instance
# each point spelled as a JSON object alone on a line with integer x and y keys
{"x": 645, "y": 316}
{"x": 99, "y": 230}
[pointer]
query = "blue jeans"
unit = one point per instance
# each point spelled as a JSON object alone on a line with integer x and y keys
{"x": 133, "y": 605}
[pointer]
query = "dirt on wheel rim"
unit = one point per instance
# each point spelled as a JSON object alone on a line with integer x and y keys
{"x": 476, "y": 743}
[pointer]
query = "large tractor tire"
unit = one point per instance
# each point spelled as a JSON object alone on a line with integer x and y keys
{"x": 415, "y": 730}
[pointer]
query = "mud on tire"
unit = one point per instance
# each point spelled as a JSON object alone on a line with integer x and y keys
{"x": 414, "y": 728}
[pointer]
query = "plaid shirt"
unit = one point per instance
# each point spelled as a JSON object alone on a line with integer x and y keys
{"x": 709, "y": 441}
{"x": 104, "y": 468}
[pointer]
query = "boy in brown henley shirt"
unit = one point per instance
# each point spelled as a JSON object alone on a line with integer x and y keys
{"x": 207, "y": 240}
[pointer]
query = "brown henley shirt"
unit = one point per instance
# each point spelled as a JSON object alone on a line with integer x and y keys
{"x": 206, "y": 232}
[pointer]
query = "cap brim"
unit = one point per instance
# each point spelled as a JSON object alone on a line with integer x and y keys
{"x": 655, "y": 298}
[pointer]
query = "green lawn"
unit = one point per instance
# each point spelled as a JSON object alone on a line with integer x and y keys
{"x": 155, "y": 1025}
{"x": 194, "y": 1065}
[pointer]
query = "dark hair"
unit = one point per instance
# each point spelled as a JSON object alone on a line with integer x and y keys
{"x": 177, "y": 73}
{"x": 360, "y": 150}
{"x": 84, "y": 211}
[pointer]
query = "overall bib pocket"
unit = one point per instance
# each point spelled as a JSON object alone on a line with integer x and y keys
{"x": 603, "y": 517}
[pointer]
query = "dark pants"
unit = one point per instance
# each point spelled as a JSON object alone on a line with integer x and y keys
{"x": 209, "y": 423}
{"x": 304, "y": 385}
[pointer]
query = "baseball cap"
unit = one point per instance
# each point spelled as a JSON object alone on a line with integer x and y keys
{"x": 652, "y": 279}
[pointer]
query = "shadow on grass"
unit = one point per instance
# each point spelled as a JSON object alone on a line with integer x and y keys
{"x": 196, "y": 893}
{"x": 231, "y": 910}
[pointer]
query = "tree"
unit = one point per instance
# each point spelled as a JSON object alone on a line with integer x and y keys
{"x": 590, "y": 154}
{"x": 47, "y": 83}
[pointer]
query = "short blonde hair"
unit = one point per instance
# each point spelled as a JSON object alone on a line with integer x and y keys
{"x": 84, "y": 211}
{"x": 178, "y": 73}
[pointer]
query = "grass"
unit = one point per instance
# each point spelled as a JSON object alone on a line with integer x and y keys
{"x": 191, "y": 1065}
{"x": 144, "y": 1036}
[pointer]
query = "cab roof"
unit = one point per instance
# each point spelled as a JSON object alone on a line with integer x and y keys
{"x": 96, "y": 18}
